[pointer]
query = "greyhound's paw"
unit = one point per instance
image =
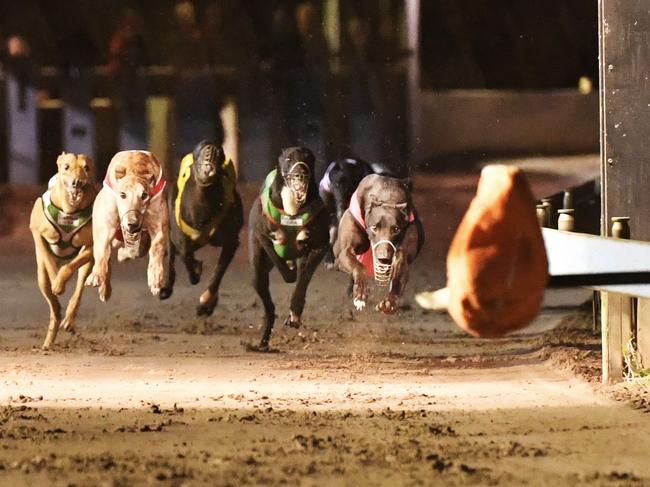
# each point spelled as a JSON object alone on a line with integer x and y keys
{"x": 261, "y": 348}
{"x": 207, "y": 303}
{"x": 58, "y": 285}
{"x": 387, "y": 306}
{"x": 359, "y": 303}
{"x": 105, "y": 292}
{"x": 278, "y": 237}
{"x": 293, "y": 320}
{"x": 329, "y": 262}
{"x": 95, "y": 279}
{"x": 68, "y": 324}
{"x": 195, "y": 270}
{"x": 155, "y": 279}
{"x": 165, "y": 293}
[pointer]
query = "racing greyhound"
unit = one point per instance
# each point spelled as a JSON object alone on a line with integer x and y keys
{"x": 130, "y": 214}
{"x": 340, "y": 180}
{"x": 63, "y": 238}
{"x": 379, "y": 236}
{"x": 206, "y": 209}
{"x": 288, "y": 229}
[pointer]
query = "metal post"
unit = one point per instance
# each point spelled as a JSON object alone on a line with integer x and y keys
{"x": 230, "y": 122}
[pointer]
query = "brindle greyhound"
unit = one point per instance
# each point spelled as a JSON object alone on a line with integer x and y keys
{"x": 63, "y": 239}
{"x": 288, "y": 229}
{"x": 206, "y": 209}
{"x": 379, "y": 236}
{"x": 340, "y": 180}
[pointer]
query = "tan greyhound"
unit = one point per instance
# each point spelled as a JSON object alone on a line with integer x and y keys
{"x": 63, "y": 238}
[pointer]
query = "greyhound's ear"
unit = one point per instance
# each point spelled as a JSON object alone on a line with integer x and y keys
{"x": 403, "y": 208}
{"x": 152, "y": 179}
{"x": 373, "y": 201}
{"x": 120, "y": 171}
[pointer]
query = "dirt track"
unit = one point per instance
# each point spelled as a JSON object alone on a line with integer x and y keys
{"x": 146, "y": 393}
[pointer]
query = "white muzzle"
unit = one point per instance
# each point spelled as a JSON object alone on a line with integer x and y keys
{"x": 383, "y": 272}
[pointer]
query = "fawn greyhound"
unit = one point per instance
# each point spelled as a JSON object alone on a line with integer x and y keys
{"x": 63, "y": 238}
{"x": 130, "y": 214}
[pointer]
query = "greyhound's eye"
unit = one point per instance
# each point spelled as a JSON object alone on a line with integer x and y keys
{"x": 66, "y": 167}
{"x": 373, "y": 228}
{"x": 144, "y": 195}
{"x": 123, "y": 196}
{"x": 395, "y": 229}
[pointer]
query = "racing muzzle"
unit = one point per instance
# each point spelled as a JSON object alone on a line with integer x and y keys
{"x": 131, "y": 224}
{"x": 298, "y": 182}
{"x": 383, "y": 270}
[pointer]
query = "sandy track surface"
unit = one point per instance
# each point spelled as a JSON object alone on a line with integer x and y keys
{"x": 148, "y": 394}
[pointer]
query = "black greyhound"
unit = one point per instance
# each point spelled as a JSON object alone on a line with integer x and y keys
{"x": 340, "y": 180}
{"x": 205, "y": 208}
{"x": 288, "y": 229}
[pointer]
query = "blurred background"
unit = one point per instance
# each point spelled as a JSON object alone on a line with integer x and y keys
{"x": 431, "y": 84}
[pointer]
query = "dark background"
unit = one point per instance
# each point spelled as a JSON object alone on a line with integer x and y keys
{"x": 495, "y": 44}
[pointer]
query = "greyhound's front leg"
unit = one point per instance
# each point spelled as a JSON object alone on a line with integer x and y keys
{"x": 349, "y": 263}
{"x": 194, "y": 267}
{"x": 84, "y": 256}
{"x": 68, "y": 322}
{"x": 157, "y": 252}
{"x": 389, "y": 304}
{"x": 52, "y": 300}
{"x": 168, "y": 289}
{"x": 103, "y": 232}
{"x": 306, "y": 270}
{"x": 261, "y": 267}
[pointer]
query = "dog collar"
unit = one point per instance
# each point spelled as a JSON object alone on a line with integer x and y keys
{"x": 229, "y": 181}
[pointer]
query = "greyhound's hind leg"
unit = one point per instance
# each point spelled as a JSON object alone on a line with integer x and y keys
{"x": 262, "y": 267}
{"x": 44, "y": 284}
{"x": 306, "y": 271}
{"x": 194, "y": 267}
{"x": 168, "y": 288}
{"x": 210, "y": 297}
{"x": 68, "y": 322}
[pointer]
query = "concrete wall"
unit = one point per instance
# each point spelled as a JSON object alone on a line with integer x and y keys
{"x": 474, "y": 121}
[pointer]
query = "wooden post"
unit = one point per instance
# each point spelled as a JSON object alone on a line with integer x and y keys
{"x": 159, "y": 116}
{"x": 230, "y": 122}
{"x": 616, "y": 321}
{"x": 625, "y": 134}
{"x": 643, "y": 332}
{"x": 611, "y": 336}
